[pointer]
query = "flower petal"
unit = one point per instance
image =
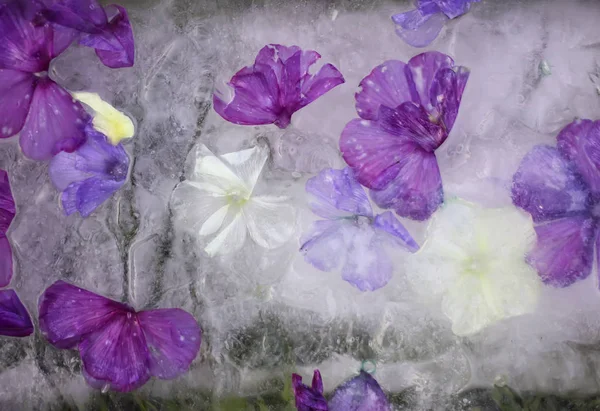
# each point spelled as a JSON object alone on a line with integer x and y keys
{"x": 446, "y": 94}
{"x": 308, "y": 399}
{"x": 173, "y": 338}
{"x": 117, "y": 353}
{"x": 416, "y": 192}
{"x": 248, "y": 164}
{"x": 230, "y": 239}
{"x": 55, "y": 122}
{"x": 313, "y": 87}
{"x": 68, "y": 313}
{"x": 579, "y": 142}
{"x": 82, "y": 15}
{"x": 361, "y": 393}
{"x": 411, "y": 121}
{"x": 14, "y": 318}
{"x": 16, "y": 89}
{"x": 454, "y": 8}
{"x": 7, "y": 203}
{"x": 386, "y": 85}
{"x": 389, "y": 223}
{"x": 115, "y": 46}
{"x": 6, "y": 262}
{"x": 421, "y": 73}
{"x": 87, "y": 195}
{"x": 417, "y": 29}
{"x": 324, "y": 246}
{"x": 547, "y": 187}
{"x": 107, "y": 119}
{"x": 564, "y": 250}
{"x": 195, "y": 206}
{"x": 270, "y": 223}
{"x": 336, "y": 193}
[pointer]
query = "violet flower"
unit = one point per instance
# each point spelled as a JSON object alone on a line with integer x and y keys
{"x": 309, "y": 398}
{"x": 7, "y": 214}
{"x": 90, "y": 175}
{"x": 421, "y": 26}
{"x": 361, "y": 393}
{"x": 119, "y": 347}
{"x": 45, "y": 115}
{"x": 275, "y": 87}
{"x": 351, "y": 236}
{"x": 560, "y": 188}
{"x": 14, "y": 318}
{"x": 106, "y": 30}
{"x": 407, "y": 112}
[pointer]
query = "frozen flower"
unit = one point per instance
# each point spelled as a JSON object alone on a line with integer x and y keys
{"x": 351, "y": 236}
{"x": 309, "y": 398}
{"x": 407, "y": 112}
{"x": 560, "y": 188}
{"x": 219, "y": 200}
{"x": 361, "y": 393}
{"x": 14, "y": 318}
{"x": 107, "y": 119}
{"x": 474, "y": 259}
{"x": 107, "y": 30}
{"x": 90, "y": 175}
{"x": 275, "y": 87}
{"x": 421, "y": 26}
{"x": 119, "y": 347}
{"x": 45, "y": 115}
{"x": 7, "y": 214}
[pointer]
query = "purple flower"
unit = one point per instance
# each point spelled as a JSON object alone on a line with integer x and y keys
{"x": 14, "y": 318}
{"x": 560, "y": 188}
{"x": 421, "y": 26}
{"x": 107, "y": 30}
{"x": 350, "y": 236}
{"x": 309, "y": 398}
{"x": 275, "y": 87}
{"x": 119, "y": 347}
{"x": 7, "y": 214}
{"x": 47, "y": 117}
{"x": 361, "y": 393}
{"x": 407, "y": 112}
{"x": 90, "y": 175}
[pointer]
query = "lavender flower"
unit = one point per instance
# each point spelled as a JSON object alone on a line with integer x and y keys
{"x": 407, "y": 112}
{"x": 275, "y": 87}
{"x": 14, "y": 318}
{"x": 350, "y": 236}
{"x": 90, "y": 175}
{"x": 560, "y": 188}
{"x": 309, "y": 398}
{"x": 119, "y": 347}
{"x": 421, "y": 26}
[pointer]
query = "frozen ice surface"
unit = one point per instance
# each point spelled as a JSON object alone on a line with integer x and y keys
{"x": 534, "y": 68}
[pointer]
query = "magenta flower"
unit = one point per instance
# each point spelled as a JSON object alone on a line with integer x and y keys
{"x": 275, "y": 87}
{"x": 47, "y": 117}
{"x": 119, "y": 347}
{"x": 90, "y": 175}
{"x": 14, "y": 318}
{"x": 560, "y": 188}
{"x": 421, "y": 26}
{"x": 7, "y": 214}
{"x": 309, "y": 398}
{"x": 351, "y": 236}
{"x": 407, "y": 112}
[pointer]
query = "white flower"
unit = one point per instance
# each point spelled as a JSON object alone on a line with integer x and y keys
{"x": 218, "y": 200}
{"x": 474, "y": 258}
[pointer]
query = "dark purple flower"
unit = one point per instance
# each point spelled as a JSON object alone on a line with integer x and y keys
{"x": 119, "y": 347}
{"x": 90, "y": 175}
{"x": 107, "y": 30}
{"x": 275, "y": 87}
{"x": 421, "y": 26}
{"x": 407, "y": 112}
{"x": 560, "y": 188}
{"x": 350, "y": 236}
{"x": 7, "y": 214}
{"x": 361, "y": 393}
{"x": 309, "y": 398}
{"x": 47, "y": 117}
{"x": 14, "y": 318}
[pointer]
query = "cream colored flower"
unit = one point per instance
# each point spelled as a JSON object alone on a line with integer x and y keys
{"x": 474, "y": 258}
{"x": 107, "y": 119}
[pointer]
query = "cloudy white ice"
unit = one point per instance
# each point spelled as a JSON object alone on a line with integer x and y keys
{"x": 534, "y": 68}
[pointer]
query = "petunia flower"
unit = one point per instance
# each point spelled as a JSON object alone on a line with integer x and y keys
{"x": 14, "y": 318}
{"x": 351, "y": 236}
{"x": 275, "y": 87}
{"x": 407, "y": 112}
{"x": 421, "y": 26}
{"x": 361, "y": 393}
{"x": 309, "y": 398}
{"x": 560, "y": 188}
{"x": 120, "y": 348}
{"x": 219, "y": 200}
{"x": 107, "y": 119}
{"x": 474, "y": 260}
{"x": 106, "y": 30}
{"x": 7, "y": 214}
{"x": 90, "y": 175}
{"x": 45, "y": 115}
